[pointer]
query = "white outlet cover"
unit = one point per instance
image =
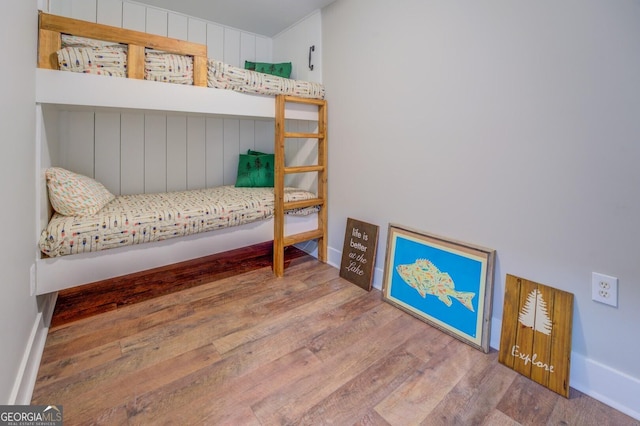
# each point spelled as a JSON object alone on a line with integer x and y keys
{"x": 604, "y": 289}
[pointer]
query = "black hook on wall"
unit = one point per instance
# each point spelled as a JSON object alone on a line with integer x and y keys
{"x": 311, "y": 49}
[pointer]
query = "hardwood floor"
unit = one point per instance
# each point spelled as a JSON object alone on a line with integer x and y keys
{"x": 102, "y": 296}
{"x": 310, "y": 348}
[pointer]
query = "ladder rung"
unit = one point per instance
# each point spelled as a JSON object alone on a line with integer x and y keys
{"x": 303, "y": 169}
{"x": 290, "y": 240}
{"x": 303, "y": 135}
{"x": 297, "y": 100}
{"x": 303, "y": 203}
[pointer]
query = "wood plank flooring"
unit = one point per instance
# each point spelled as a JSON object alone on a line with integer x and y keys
{"x": 102, "y": 296}
{"x": 309, "y": 348}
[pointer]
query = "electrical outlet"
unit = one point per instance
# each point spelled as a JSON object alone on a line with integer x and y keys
{"x": 604, "y": 289}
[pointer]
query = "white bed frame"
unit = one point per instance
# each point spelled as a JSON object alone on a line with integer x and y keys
{"x": 54, "y": 274}
{"x": 68, "y": 91}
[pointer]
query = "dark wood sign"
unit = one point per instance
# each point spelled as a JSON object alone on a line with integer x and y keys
{"x": 536, "y": 333}
{"x": 359, "y": 253}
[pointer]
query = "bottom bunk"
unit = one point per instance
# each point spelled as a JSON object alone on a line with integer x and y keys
{"x": 95, "y": 235}
{"x": 58, "y": 273}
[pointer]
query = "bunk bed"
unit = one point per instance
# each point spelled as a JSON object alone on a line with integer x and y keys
{"x": 205, "y": 95}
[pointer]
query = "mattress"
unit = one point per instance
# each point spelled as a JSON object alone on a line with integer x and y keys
{"x": 143, "y": 218}
{"x": 224, "y": 76}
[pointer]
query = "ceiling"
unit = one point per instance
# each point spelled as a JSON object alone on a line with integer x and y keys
{"x": 264, "y": 17}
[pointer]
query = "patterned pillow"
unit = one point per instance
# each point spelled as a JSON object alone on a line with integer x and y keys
{"x": 168, "y": 68}
{"x": 72, "y": 194}
{"x": 111, "y": 61}
{"x": 75, "y": 41}
{"x": 255, "y": 169}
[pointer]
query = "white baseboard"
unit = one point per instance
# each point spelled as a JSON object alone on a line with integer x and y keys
{"x": 609, "y": 386}
{"x": 335, "y": 258}
{"x": 28, "y": 371}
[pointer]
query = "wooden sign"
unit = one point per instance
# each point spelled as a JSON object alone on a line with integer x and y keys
{"x": 536, "y": 333}
{"x": 359, "y": 253}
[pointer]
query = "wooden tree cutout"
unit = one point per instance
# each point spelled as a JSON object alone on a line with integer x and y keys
{"x": 534, "y": 313}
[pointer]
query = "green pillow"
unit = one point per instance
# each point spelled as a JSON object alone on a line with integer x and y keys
{"x": 255, "y": 169}
{"x": 281, "y": 70}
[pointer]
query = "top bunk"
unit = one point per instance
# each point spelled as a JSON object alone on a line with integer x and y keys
{"x": 213, "y": 90}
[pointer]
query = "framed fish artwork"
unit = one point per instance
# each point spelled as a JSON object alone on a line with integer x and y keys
{"x": 446, "y": 283}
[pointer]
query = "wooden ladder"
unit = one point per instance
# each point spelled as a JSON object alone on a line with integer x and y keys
{"x": 280, "y": 240}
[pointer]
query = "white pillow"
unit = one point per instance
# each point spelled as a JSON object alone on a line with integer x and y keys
{"x": 72, "y": 194}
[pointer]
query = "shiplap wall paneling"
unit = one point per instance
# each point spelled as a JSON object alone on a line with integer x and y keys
{"x": 231, "y": 53}
{"x": 231, "y": 141}
{"x": 49, "y": 147}
{"x": 155, "y": 150}
{"x": 176, "y": 153}
{"x": 264, "y": 135}
{"x": 290, "y": 150}
{"x": 178, "y": 27}
{"x": 77, "y": 142}
{"x": 223, "y": 43}
{"x": 247, "y": 48}
{"x": 107, "y": 150}
{"x": 308, "y": 152}
{"x": 214, "y": 135}
{"x": 133, "y": 16}
{"x": 264, "y": 49}
{"x": 132, "y": 159}
{"x": 301, "y": 152}
{"x": 197, "y": 31}
{"x": 298, "y": 151}
{"x": 109, "y": 12}
{"x": 196, "y": 153}
{"x": 247, "y": 136}
{"x": 78, "y": 9}
{"x": 156, "y": 22}
{"x": 291, "y": 144}
{"x": 48, "y": 155}
{"x": 215, "y": 41}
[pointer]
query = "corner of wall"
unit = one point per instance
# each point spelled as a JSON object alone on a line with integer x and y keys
{"x": 28, "y": 371}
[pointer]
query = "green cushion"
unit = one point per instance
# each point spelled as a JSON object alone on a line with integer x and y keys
{"x": 281, "y": 70}
{"x": 255, "y": 169}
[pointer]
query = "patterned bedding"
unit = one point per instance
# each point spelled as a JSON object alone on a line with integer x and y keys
{"x": 225, "y": 76}
{"x": 90, "y": 56}
{"x": 111, "y": 61}
{"x": 142, "y": 218}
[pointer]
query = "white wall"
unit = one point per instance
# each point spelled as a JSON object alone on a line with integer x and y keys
{"x": 18, "y": 310}
{"x": 512, "y": 125}
{"x": 292, "y": 45}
